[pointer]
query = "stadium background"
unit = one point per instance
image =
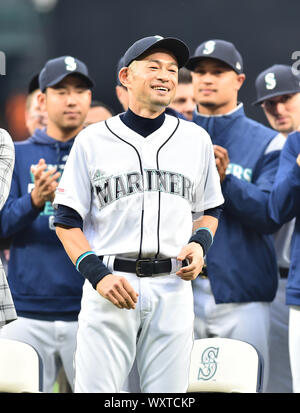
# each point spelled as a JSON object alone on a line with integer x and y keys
{"x": 99, "y": 31}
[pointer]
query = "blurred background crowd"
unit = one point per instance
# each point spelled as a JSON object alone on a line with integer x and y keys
{"x": 99, "y": 31}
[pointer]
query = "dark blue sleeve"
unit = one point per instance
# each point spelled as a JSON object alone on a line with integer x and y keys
{"x": 214, "y": 212}
{"x": 284, "y": 202}
{"x": 247, "y": 201}
{"x": 68, "y": 217}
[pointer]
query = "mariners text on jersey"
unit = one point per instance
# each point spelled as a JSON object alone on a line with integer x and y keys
{"x": 111, "y": 188}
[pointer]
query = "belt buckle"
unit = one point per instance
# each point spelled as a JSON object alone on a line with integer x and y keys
{"x": 203, "y": 273}
{"x": 138, "y": 265}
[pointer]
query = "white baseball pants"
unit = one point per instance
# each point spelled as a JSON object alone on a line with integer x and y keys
{"x": 158, "y": 332}
{"x": 280, "y": 377}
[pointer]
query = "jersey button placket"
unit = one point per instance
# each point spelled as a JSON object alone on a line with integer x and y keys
{"x": 150, "y": 221}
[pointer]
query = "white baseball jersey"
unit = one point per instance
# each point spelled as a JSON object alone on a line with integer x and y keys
{"x": 136, "y": 195}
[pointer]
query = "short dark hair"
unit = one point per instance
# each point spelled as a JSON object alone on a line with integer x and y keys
{"x": 98, "y": 103}
{"x": 184, "y": 76}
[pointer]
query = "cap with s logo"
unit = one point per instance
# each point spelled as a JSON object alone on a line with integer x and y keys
{"x": 209, "y": 47}
{"x": 270, "y": 80}
{"x": 217, "y": 49}
{"x": 275, "y": 81}
{"x": 70, "y": 63}
{"x": 55, "y": 70}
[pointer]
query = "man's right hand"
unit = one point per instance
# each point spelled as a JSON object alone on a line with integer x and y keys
{"x": 45, "y": 184}
{"x": 118, "y": 291}
{"x": 222, "y": 161}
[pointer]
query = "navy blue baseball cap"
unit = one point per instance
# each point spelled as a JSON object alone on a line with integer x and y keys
{"x": 220, "y": 50}
{"x": 147, "y": 44}
{"x": 55, "y": 70}
{"x": 277, "y": 80}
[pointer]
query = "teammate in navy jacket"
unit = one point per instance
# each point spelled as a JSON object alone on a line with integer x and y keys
{"x": 240, "y": 280}
{"x": 278, "y": 93}
{"x": 284, "y": 204}
{"x": 45, "y": 286}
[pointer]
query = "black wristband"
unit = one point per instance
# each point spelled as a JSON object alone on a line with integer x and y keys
{"x": 204, "y": 237}
{"x": 91, "y": 267}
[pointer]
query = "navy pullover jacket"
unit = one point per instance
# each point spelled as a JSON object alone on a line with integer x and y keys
{"x": 241, "y": 264}
{"x": 284, "y": 204}
{"x": 43, "y": 280}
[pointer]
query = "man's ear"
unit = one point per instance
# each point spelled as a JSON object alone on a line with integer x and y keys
{"x": 124, "y": 76}
{"x": 41, "y": 98}
{"x": 240, "y": 80}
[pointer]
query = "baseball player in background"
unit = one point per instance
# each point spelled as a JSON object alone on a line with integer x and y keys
{"x": 98, "y": 111}
{"x": 278, "y": 93}
{"x": 232, "y": 296}
{"x": 184, "y": 101}
{"x": 35, "y": 117}
{"x": 131, "y": 194}
{"x": 284, "y": 205}
{"x": 45, "y": 286}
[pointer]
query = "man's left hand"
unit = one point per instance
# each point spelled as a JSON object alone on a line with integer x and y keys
{"x": 192, "y": 252}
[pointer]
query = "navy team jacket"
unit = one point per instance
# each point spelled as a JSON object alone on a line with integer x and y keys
{"x": 44, "y": 283}
{"x": 241, "y": 264}
{"x": 284, "y": 204}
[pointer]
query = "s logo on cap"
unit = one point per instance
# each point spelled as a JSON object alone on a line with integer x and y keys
{"x": 270, "y": 80}
{"x": 209, "y": 47}
{"x": 238, "y": 66}
{"x": 71, "y": 64}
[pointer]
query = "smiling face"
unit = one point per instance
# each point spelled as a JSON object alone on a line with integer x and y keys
{"x": 283, "y": 112}
{"x": 151, "y": 83}
{"x": 67, "y": 105}
{"x": 216, "y": 86}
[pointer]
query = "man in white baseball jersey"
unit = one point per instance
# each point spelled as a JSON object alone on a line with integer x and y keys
{"x": 278, "y": 93}
{"x": 124, "y": 215}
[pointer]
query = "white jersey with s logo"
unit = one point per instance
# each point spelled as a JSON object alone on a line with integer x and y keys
{"x": 136, "y": 195}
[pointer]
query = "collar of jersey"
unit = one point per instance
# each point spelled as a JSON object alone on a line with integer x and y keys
{"x": 157, "y": 137}
{"x": 142, "y": 126}
{"x": 232, "y": 112}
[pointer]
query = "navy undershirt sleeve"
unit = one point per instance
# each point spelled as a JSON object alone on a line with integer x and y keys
{"x": 67, "y": 216}
{"x": 214, "y": 212}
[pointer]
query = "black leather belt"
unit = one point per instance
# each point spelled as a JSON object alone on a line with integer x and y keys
{"x": 284, "y": 272}
{"x": 203, "y": 273}
{"x": 145, "y": 267}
